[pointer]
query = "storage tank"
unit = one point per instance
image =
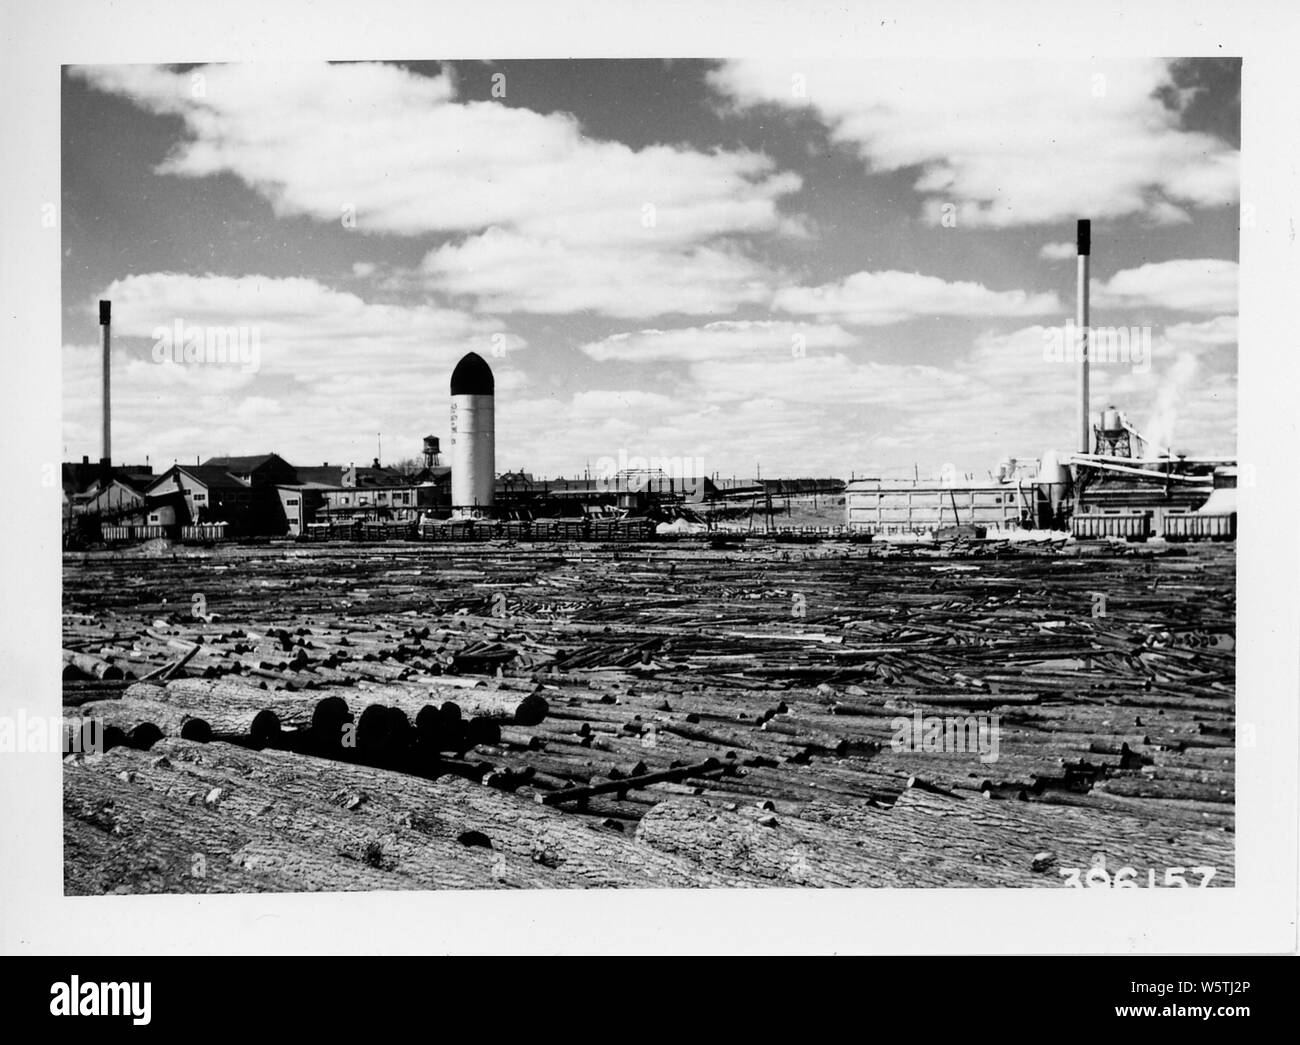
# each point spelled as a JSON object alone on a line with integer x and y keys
{"x": 473, "y": 437}
{"x": 1053, "y": 481}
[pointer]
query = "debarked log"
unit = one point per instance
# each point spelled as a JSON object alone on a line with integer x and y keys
{"x": 240, "y": 710}
{"x": 324, "y": 824}
{"x": 90, "y": 666}
{"x": 508, "y": 706}
{"x": 232, "y": 711}
{"x": 122, "y": 835}
{"x": 775, "y": 850}
{"x": 145, "y": 721}
{"x": 566, "y": 851}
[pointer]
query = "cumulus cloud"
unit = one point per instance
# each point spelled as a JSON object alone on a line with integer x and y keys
{"x": 1170, "y": 396}
{"x": 1018, "y": 362}
{"x": 509, "y": 272}
{"x": 771, "y": 339}
{"x": 521, "y": 211}
{"x": 333, "y": 370}
{"x": 395, "y": 151}
{"x": 174, "y": 411}
{"x": 823, "y": 379}
{"x": 1186, "y": 284}
{"x": 1003, "y": 396}
{"x": 304, "y": 328}
{"x": 1058, "y": 251}
{"x": 878, "y": 298}
{"x": 1212, "y": 333}
{"x": 598, "y": 403}
{"x": 1010, "y": 142}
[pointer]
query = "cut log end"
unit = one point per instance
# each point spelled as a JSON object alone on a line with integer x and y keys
{"x": 265, "y": 728}
{"x": 532, "y": 711}
{"x": 197, "y": 730}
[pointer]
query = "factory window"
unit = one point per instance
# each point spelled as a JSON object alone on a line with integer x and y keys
{"x": 292, "y": 502}
{"x": 200, "y": 497}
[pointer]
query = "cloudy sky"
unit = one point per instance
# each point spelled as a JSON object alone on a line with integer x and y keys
{"x": 814, "y": 269}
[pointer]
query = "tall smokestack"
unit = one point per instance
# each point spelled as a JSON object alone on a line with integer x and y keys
{"x": 1085, "y": 338}
{"x": 473, "y": 437}
{"x": 105, "y": 341}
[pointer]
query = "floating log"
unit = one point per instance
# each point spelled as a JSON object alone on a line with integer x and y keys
{"x": 77, "y": 692}
{"x": 87, "y": 665}
{"x": 504, "y": 706}
{"x": 668, "y": 656}
{"x": 625, "y": 784}
{"x": 539, "y": 845}
{"x": 145, "y": 721}
{"x": 212, "y": 824}
{"x": 926, "y": 839}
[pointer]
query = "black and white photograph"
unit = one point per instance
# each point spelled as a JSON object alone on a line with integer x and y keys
{"x": 595, "y": 469}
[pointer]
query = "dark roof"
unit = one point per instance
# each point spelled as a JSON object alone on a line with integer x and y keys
{"x": 437, "y": 475}
{"x": 242, "y": 465}
{"x": 211, "y": 476}
{"x": 322, "y": 475}
{"x": 472, "y": 377}
{"x": 379, "y": 477}
{"x": 79, "y": 476}
{"x": 136, "y": 478}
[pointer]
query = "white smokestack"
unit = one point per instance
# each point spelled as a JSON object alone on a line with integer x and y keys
{"x": 105, "y": 341}
{"x": 473, "y": 437}
{"x": 1085, "y": 336}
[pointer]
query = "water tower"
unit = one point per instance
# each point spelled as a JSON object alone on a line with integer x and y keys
{"x": 1112, "y": 435}
{"x": 432, "y": 451}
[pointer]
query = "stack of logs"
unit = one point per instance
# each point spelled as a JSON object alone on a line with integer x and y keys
{"x": 329, "y": 718}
